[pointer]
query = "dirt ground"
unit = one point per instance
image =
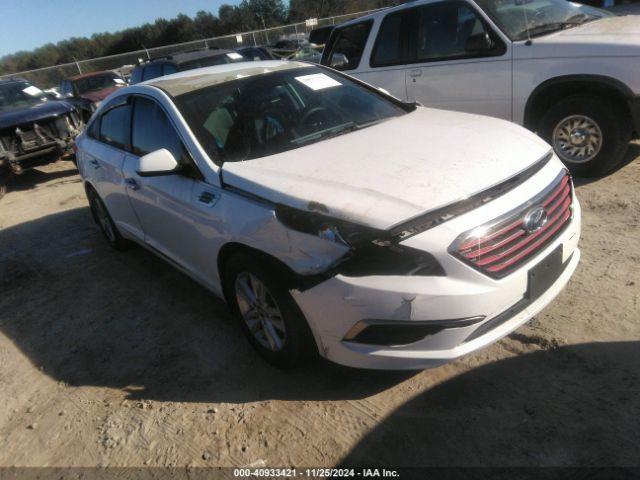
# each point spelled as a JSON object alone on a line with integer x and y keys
{"x": 117, "y": 359}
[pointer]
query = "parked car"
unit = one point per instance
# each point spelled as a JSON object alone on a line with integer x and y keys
{"x": 88, "y": 90}
{"x": 571, "y": 73}
{"x": 35, "y": 129}
{"x": 183, "y": 61}
{"x": 331, "y": 217}
{"x": 255, "y": 53}
{"x": 308, "y": 54}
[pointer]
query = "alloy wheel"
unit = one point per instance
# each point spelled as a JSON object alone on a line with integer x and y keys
{"x": 577, "y": 139}
{"x": 260, "y": 312}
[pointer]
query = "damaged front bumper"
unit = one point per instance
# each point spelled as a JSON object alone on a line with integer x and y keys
{"x": 450, "y": 315}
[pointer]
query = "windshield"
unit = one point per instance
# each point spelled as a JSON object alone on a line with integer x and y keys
{"x": 523, "y": 19}
{"x": 97, "y": 82}
{"x": 274, "y": 112}
{"x": 16, "y": 94}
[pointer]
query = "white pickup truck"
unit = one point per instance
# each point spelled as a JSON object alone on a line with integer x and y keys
{"x": 571, "y": 73}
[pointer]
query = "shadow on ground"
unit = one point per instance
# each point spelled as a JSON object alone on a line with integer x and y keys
{"x": 87, "y": 315}
{"x": 632, "y": 153}
{"x": 32, "y": 178}
{"x": 573, "y": 405}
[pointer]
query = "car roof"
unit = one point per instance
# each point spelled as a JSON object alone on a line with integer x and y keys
{"x": 194, "y": 55}
{"x": 91, "y": 74}
{"x": 12, "y": 80}
{"x": 190, "y": 80}
{"x": 384, "y": 11}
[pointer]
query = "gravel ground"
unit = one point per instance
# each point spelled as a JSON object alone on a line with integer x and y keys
{"x": 117, "y": 359}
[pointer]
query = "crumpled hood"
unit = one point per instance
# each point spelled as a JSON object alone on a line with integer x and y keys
{"x": 18, "y": 116}
{"x": 609, "y": 36}
{"x": 99, "y": 95}
{"x": 387, "y": 173}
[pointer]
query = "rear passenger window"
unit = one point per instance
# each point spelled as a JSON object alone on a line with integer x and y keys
{"x": 153, "y": 70}
{"x": 152, "y": 130}
{"x": 391, "y": 43}
{"x": 169, "y": 68}
{"x": 115, "y": 126}
{"x": 348, "y": 45}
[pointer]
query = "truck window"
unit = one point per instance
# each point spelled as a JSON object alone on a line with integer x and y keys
{"x": 347, "y": 46}
{"x": 391, "y": 44}
{"x": 449, "y": 31}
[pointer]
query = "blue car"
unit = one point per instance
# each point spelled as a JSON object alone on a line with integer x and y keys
{"x": 35, "y": 128}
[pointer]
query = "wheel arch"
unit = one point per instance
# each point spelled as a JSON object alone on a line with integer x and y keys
{"x": 88, "y": 190}
{"x": 235, "y": 248}
{"x": 293, "y": 279}
{"x": 553, "y": 90}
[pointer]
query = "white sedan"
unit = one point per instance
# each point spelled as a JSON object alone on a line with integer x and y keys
{"x": 331, "y": 217}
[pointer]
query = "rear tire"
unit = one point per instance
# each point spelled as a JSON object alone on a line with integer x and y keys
{"x": 105, "y": 222}
{"x": 274, "y": 326}
{"x": 589, "y": 134}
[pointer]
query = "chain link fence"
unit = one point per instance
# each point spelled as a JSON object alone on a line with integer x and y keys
{"x": 48, "y": 77}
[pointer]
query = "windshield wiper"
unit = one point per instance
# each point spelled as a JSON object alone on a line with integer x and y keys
{"x": 333, "y": 131}
{"x": 572, "y": 21}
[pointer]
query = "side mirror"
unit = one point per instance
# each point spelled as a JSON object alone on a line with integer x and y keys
{"x": 159, "y": 162}
{"x": 339, "y": 60}
{"x": 479, "y": 43}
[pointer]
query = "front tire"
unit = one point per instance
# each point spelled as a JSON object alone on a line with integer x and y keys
{"x": 268, "y": 315}
{"x": 588, "y": 134}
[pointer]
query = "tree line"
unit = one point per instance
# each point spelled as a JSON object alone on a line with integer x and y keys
{"x": 246, "y": 16}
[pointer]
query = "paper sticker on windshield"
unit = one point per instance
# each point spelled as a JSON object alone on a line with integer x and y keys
{"x": 234, "y": 56}
{"x": 318, "y": 81}
{"x": 31, "y": 90}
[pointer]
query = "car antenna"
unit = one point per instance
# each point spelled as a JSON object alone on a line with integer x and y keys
{"x": 526, "y": 25}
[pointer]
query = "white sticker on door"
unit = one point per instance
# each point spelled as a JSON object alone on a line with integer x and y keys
{"x": 318, "y": 81}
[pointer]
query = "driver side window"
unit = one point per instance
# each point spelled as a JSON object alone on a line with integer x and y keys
{"x": 152, "y": 130}
{"x": 450, "y": 31}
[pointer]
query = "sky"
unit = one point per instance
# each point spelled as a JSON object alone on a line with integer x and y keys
{"x": 27, "y": 24}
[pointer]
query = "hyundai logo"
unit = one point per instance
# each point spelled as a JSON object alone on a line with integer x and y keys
{"x": 535, "y": 219}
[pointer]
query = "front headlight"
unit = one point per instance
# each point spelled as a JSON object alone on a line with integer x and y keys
{"x": 328, "y": 228}
{"x": 372, "y": 251}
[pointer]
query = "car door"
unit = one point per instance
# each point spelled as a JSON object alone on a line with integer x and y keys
{"x": 454, "y": 59}
{"x": 168, "y": 206}
{"x": 103, "y": 156}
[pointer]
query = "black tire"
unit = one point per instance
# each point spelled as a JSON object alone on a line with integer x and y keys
{"x": 613, "y": 124}
{"x": 299, "y": 346}
{"x": 105, "y": 222}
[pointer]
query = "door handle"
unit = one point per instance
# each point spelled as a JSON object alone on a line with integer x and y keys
{"x": 132, "y": 184}
{"x": 94, "y": 163}
{"x": 416, "y": 72}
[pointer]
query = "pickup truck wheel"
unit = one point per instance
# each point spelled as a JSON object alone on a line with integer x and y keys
{"x": 105, "y": 222}
{"x": 588, "y": 134}
{"x": 267, "y": 313}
